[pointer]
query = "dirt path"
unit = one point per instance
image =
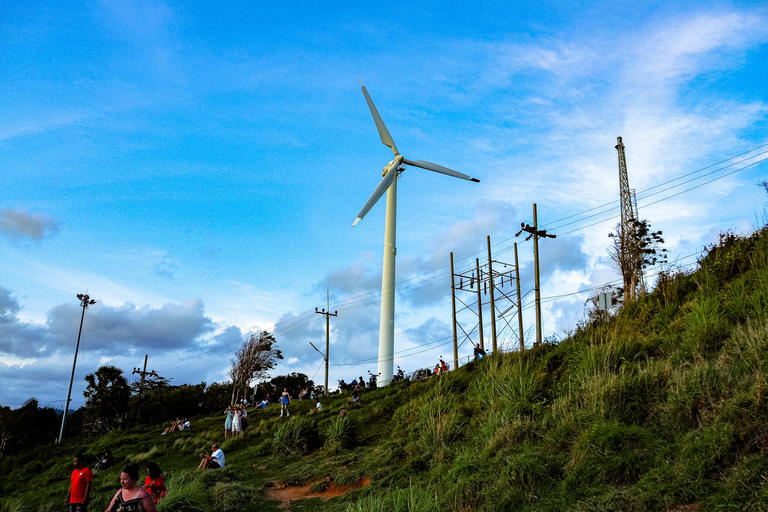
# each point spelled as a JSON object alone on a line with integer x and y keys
{"x": 288, "y": 493}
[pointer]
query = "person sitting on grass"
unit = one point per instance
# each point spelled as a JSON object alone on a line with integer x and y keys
{"x": 303, "y": 393}
{"x": 154, "y": 482}
{"x": 353, "y": 399}
{"x": 105, "y": 461}
{"x": 213, "y": 461}
{"x": 175, "y": 425}
{"x": 318, "y": 406}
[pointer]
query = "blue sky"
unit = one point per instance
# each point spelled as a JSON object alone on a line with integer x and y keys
{"x": 196, "y": 168}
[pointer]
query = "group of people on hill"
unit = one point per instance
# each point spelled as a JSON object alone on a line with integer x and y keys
{"x": 131, "y": 497}
{"x": 237, "y": 420}
{"x": 178, "y": 425}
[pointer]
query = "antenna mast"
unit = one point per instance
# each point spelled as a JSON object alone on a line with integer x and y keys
{"x": 629, "y": 266}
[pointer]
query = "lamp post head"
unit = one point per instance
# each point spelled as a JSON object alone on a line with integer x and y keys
{"x": 85, "y": 300}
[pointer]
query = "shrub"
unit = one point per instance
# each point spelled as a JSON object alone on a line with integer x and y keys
{"x": 339, "y": 434}
{"x": 294, "y": 437}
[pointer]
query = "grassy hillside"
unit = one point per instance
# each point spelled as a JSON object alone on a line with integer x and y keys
{"x": 661, "y": 407}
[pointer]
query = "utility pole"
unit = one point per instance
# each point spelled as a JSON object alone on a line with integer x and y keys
{"x": 453, "y": 302}
{"x": 479, "y": 304}
{"x": 465, "y": 281}
{"x": 519, "y": 301}
{"x": 493, "y": 302}
{"x": 143, "y": 374}
{"x": 85, "y": 301}
{"x": 327, "y": 316}
{"x": 535, "y": 233}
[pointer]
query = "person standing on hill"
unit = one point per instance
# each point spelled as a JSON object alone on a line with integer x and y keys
{"x": 228, "y": 421}
{"x": 79, "y": 494}
{"x": 285, "y": 399}
{"x": 236, "y": 428}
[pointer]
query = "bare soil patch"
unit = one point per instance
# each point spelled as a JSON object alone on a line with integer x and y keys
{"x": 288, "y": 493}
{"x": 693, "y": 507}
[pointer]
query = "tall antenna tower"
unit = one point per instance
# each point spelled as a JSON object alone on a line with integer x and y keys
{"x": 630, "y": 268}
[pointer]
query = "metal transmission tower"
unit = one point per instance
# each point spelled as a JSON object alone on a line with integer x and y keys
{"x": 485, "y": 279}
{"x": 628, "y": 256}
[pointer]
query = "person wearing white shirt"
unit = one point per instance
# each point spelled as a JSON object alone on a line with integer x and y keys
{"x": 213, "y": 461}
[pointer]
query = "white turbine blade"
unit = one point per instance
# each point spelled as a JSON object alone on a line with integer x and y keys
{"x": 384, "y": 185}
{"x": 439, "y": 168}
{"x": 386, "y": 138}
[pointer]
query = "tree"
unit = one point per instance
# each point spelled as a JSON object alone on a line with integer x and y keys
{"x": 294, "y": 383}
{"x": 26, "y": 426}
{"x": 152, "y": 381}
{"x": 106, "y": 399}
{"x": 258, "y": 354}
{"x": 632, "y": 252}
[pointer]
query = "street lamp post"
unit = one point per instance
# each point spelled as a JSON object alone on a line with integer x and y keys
{"x": 85, "y": 301}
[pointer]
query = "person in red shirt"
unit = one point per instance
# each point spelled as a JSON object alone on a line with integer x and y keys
{"x": 79, "y": 494}
{"x": 154, "y": 482}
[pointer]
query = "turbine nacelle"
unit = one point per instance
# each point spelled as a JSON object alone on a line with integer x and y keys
{"x": 389, "y": 166}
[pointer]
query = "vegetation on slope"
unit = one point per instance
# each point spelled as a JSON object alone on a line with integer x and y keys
{"x": 663, "y": 404}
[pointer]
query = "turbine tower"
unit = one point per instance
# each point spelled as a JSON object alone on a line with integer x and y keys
{"x": 388, "y": 184}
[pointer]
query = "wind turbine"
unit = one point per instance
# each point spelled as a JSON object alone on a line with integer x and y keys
{"x": 388, "y": 184}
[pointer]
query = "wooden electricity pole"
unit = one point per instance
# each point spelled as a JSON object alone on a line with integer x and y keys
{"x": 453, "y": 302}
{"x": 519, "y": 301}
{"x": 535, "y": 233}
{"x": 479, "y": 304}
{"x": 327, "y": 316}
{"x": 143, "y": 374}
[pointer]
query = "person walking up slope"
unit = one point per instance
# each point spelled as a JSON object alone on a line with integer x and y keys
{"x": 285, "y": 399}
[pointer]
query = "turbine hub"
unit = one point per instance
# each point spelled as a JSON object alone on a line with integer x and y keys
{"x": 395, "y": 164}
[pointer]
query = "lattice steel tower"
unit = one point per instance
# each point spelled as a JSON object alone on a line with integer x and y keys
{"x": 629, "y": 252}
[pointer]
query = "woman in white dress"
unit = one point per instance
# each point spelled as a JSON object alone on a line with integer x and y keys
{"x": 236, "y": 422}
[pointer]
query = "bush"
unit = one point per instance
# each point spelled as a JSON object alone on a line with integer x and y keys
{"x": 294, "y": 437}
{"x": 339, "y": 434}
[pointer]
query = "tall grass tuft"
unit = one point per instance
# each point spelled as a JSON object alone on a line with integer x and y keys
{"x": 145, "y": 456}
{"x": 509, "y": 386}
{"x": 294, "y": 436}
{"x": 14, "y": 505}
{"x": 339, "y": 434}
{"x": 412, "y": 499}
{"x": 184, "y": 493}
{"x": 48, "y": 506}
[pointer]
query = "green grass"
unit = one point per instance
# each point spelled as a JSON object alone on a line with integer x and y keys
{"x": 663, "y": 404}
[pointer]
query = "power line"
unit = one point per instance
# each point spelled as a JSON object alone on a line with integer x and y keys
{"x": 434, "y": 277}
